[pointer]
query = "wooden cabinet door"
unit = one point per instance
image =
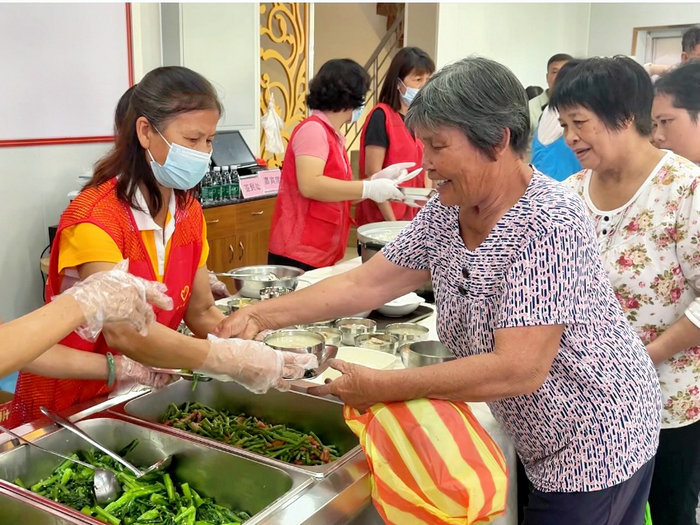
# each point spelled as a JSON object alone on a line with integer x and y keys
{"x": 253, "y": 221}
{"x": 238, "y": 234}
{"x": 222, "y": 254}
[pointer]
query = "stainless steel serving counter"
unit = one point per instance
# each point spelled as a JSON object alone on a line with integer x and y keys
{"x": 341, "y": 497}
{"x": 329, "y": 495}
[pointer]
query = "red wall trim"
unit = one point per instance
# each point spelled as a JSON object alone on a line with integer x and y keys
{"x": 129, "y": 44}
{"x": 84, "y": 140}
{"x": 57, "y": 140}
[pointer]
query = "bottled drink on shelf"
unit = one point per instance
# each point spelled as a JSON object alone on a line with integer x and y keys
{"x": 205, "y": 192}
{"x": 216, "y": 186}
{"x": 225, "y": 184}
{"x": 235, "y": 184}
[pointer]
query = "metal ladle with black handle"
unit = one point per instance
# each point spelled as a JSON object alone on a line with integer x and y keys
{"x": 61, "y": 421}
{"x": 105, "y": 484}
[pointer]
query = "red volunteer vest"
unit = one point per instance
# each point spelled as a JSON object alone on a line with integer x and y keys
{"x": 307, "y": 230}
{"x": 403, "y": 147}
{"x": 100, "y": 206}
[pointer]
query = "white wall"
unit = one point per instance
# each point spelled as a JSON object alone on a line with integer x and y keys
{"x": 421, "y": 27}
{"x": 146, "y": 37}
{"x": 521, "y": 36}
{"x": 222, "y": 42}
{"x": 34, "y": 182}
{"x": 612, "y": 24}
{"x": 346, "y": 30}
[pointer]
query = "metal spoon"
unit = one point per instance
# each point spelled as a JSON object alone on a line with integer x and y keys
{"x": 158, "y": 465}
{"x": 105, "y": 484}
{"x": 176, "y": 372}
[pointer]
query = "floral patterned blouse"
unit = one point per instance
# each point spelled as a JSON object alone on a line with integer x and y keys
{"x": 651, "y": 249}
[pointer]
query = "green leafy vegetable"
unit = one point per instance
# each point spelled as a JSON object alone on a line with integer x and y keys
{"x": 155, "y": 498}
{"x": 248, "y": 432}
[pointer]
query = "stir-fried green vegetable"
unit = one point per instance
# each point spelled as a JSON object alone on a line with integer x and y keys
{"x": 250, "y": 433}
{"x": 155, "y": 498}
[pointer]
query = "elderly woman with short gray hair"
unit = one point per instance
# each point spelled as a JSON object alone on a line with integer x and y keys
{"x": 522, "y": 300}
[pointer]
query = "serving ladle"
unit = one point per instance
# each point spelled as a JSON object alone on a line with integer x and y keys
{"x": 61, "y": 421}
{"x": 105, "y": 484}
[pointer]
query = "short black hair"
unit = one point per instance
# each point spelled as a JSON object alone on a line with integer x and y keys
{"x": 567, "y": 68}
{"x": 406, "y": 60}
{"x": 339, "y": 85}
{"x": 616, "y": 89}
{"x": 691, "y": 39}
{"x": 559, "y": 57}
{"x": 682, "y": 84}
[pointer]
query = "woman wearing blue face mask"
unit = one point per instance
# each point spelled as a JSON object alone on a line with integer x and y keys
{"x": 139, "y": 206}
{"x": 311, "y": 223}
{"x": 385, "y": 140}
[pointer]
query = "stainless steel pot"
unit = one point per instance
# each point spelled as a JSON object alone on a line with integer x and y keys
{"x": 372, "y": 237}
{"x": 250, "y": 280}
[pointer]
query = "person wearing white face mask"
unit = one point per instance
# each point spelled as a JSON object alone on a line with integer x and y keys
{"x": 311, "y": 223}
{"x": 385, "y": 140}
{"x": 138, "y": 206}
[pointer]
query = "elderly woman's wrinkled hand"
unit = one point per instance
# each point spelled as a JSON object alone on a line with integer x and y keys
{"x": 242, "y": 323}
{"x": 116, "y": 295}
{"x": 354, "y": 387}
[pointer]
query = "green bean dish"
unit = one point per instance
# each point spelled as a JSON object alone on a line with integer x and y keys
{"x": 250, "y": 433}
{"x": 154, "y": 498}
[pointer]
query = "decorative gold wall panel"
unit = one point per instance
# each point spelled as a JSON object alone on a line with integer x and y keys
{"x": 284, "y": 30}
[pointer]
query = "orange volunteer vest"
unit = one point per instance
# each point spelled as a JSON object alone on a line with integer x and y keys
{"x": 307, "y": 230}
{"x": 100, "y": 206}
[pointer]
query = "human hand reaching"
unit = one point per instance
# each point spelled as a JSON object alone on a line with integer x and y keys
{"x": 253, "y": 364}
{"x": 381, "y": 190}
{"x": 116, "y": 295}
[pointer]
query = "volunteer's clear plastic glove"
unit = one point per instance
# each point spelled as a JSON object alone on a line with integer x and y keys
{"x": 116, "y": 295}
{"x": 253, "y": 364}
{"x": 129, "y": 373}
{"x": 381, "y": 190}
{"x": 394, "y": 171}
{"x": 218, "y": 289}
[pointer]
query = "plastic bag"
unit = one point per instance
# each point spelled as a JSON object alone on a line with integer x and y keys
{"x": 272, "y": 124}
{"x": 431, "y": 463}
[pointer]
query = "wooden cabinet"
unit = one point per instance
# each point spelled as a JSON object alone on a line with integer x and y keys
{"x": 238, "y": 235}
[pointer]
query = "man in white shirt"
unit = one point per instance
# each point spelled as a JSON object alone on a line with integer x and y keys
{"x": 537, "y": 104}
{"x": 550, "y": 154}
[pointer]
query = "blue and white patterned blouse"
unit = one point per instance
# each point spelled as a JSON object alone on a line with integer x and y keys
{"x": 595, "y": 420}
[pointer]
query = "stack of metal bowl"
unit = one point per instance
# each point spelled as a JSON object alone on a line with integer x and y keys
{"x": 250, "y": 280}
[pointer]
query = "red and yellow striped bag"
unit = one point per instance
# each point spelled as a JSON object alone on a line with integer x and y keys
{"x": 431, "y": 462}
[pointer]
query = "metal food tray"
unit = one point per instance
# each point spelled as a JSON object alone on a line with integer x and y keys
{"x": 258, "y": 488}
{"x": 18, "y": 508}
{"x": 301, "y": 411}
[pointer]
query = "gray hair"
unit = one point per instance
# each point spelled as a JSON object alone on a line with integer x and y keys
{"x": 478, "y": 96}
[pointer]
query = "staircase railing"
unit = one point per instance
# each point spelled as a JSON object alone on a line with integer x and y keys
{"x": 377, "y": 67}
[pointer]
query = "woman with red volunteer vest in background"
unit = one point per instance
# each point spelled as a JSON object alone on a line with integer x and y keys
{"x": 385, "y": 140}
{"x": 138, "y": 206}
{"x": 311, "y": 223}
